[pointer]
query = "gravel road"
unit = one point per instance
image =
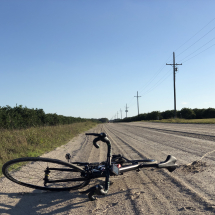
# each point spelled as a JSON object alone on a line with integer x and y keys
{"x": 187, "y": 190}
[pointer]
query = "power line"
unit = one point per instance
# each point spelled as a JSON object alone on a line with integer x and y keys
{"x": 197, "y": 41}
{"x": 196, "y": 34}
{"x": 155, "y": 86}
{"x": 153, "y": 78}
{"x": 197, "y": 49}
{"x": 199, "y": 53}
{"x": 158, "y": 83}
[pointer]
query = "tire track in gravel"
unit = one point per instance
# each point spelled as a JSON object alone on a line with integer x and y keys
{"x": 183, "y": 190}
{"x": 181, "y": 133}
{"x": 127, "y": 144}
{"x": 187, "y": 149}
{"x": 203, "y": 185}
{"x": 83, "y": 153}
{"x": 151, "y": 193}
{"x": 114, "y": 202}
{"x": 124, "y": 182}
{"x": 125, "y": 150}
{"x": 207, "y": 129}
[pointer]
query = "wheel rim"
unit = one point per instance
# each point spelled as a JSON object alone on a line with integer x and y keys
{"x": 31, "y": 173}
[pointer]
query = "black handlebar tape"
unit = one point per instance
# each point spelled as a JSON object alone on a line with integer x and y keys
{"x": 94, "y": 142}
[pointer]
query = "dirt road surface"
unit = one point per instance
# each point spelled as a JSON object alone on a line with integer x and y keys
{"x": 188, "y": 190}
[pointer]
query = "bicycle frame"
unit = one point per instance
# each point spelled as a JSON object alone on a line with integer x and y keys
{"x": 169, "y": 163}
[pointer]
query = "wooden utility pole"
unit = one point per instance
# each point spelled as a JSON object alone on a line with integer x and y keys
{"x": 137, "y": 102}
{"x": 126, "y": 110}
{"x": 174, "y": 70}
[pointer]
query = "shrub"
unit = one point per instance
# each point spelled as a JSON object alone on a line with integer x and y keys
{"x": 209, "y": 113}
{"x": 168, "y": 114}
{"x": 23, "y": 117}
{"x": 187, "y": 113}
{"x": 199, "y": 113}
{"x": 154, "y": 115}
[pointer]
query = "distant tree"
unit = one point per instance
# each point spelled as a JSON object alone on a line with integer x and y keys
{"x": 168, "y": 114}
{"x": 187, "y": 113}
{"x": 23, "y": 117}
{"x": 142, "y": 116}
{"x": 209, "y": 113}
{"x": 104, "y": 120}
{"x": 154, "y": 115}
{"x": 199, "y": 113}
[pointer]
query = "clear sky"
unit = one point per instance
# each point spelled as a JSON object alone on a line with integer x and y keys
{"x": 88, "y": 58}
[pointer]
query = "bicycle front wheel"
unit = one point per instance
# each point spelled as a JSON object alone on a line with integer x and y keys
{"x": 45, "y": 174}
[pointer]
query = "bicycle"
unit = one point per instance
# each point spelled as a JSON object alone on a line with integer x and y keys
{"x": 56, "y": 175}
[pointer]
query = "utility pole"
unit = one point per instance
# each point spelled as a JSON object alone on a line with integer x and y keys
{"x": 137, "y": 102}
{"x": 117, "y": 114}
{"x": 121, "y": 113}
{"x": 126, "y": 110}
{"x": 174, "y": 70}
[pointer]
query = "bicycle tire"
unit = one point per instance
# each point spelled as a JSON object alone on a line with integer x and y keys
{"x": 30, "y": 172}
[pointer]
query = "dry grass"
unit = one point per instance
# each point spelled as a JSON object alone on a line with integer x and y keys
{"x": 194, "y": 121}
{"x": 33, "y": 142}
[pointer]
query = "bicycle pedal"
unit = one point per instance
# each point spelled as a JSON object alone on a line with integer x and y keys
{"x": 68, "y": 156}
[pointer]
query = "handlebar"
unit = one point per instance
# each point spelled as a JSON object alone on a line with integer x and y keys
{"x": 103, "y": 137}
{"x": 100, "y": 137}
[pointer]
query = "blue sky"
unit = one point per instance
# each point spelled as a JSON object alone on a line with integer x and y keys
{"x": 88, "y": 58}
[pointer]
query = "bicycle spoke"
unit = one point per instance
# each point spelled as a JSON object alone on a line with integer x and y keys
{"x": 31, "y": 172}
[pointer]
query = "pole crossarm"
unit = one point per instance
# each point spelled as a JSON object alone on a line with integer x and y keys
{"x": 176, "y": 64}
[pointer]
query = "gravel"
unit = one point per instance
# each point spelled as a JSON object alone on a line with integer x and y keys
{"x": 187, "y": 190}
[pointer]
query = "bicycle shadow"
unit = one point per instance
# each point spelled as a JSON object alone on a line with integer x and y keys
{"x": 38, "y": 202}
{"x": 49, "y": 202}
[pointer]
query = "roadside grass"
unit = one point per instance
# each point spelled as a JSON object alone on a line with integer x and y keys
{"x": 192, "y": 121}
{"x": 33, "y": 142}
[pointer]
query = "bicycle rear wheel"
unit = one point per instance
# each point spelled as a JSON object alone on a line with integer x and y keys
{"x": 44, "y": 174}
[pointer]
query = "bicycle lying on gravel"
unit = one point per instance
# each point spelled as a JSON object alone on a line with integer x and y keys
{"x": 55, "y": 175}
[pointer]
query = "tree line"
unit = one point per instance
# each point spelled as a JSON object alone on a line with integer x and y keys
{"x": 22, "y": 117}
{"x": 185, "y": 113}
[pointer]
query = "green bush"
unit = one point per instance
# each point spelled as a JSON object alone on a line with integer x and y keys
{"x": 23, "y": 117}
{"x": 168, "y": 114}
{"x": 209, "y": 113}
{"x": 187, "y": 113}
{"x": 154, "y": 115}
{"x": 199, "y": 113}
